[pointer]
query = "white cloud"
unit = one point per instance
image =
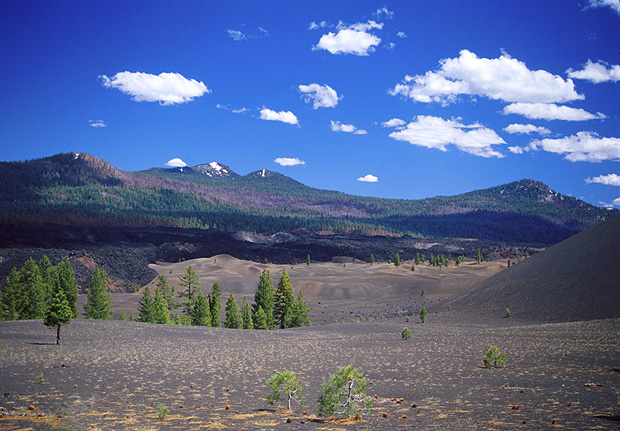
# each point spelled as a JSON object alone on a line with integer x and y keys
{"x": 504, "y": 78}
{"x": 96, "y": 123}
{"x": 614, "y": 4}
{"x": 337, "y": 126}
{"x": 401, "y": 34}
{"x": 582, "y": 147}
{"x": 313, "y": 25}
{"x": 264, "y": 32}
{"x": 596, "y": 72}
{"x": 390, "y": 46}
{"x": 516, "y": 150}
{"x": 240, "y": 110}
{"x": 321, "y": 96}
{"x": 437, "y": 133}
{"x": 526, "y": 129}
{"x": 384, "y": 13}
{"x": 551, "y": 111}
{"x": 287, "y": 161}
{"x": 236, "y": 35}
{"x": 354, "y": 39}
{"x": 394, "y": 122}
{"x": 616, "y": 202}
{"x": 176, "y": 163}
{"x": 368, "y": 179}
{"x": 608, "y": 180}
{"x": 165, "y": 88}
{"x": 283, "y": 116}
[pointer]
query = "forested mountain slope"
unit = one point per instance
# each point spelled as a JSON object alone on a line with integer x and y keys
{"x": 77, "y": 188}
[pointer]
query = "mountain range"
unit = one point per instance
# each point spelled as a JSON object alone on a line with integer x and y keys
{"x": 80, "y": 189}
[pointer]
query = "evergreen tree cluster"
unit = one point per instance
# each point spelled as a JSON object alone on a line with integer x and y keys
{"x": 272, "y": 308}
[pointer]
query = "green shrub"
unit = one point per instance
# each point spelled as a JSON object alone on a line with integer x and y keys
{"x": 495, "y": 358}
{"x": 508, "y": 313}
{"x": 162, "y": 412}
{"x": 285, "y": 383}
{"x": 406, "y": 334}
{"x": 344, "y": 394}
{"x": 423, "y": 314}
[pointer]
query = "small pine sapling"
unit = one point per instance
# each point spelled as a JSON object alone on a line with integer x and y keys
{"x": 508, "y": 313}
{"x": 123, "y": 317}
{"x": 406, "y": 334}
{"x": 423, "y": 314}
{"x": 495, "y": 358}
{"x": 344, "y": 394}
{"x": 285, "y": 383}
{"x": 162, "y": 412}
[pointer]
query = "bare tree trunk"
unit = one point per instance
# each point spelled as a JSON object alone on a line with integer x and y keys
{"x": 58, "y": 335}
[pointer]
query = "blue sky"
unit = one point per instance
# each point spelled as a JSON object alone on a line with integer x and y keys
{"x": 404, "y": 99}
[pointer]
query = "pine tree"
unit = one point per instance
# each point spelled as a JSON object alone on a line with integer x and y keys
{"x": 283, "y": 300}
{"x": 167, "y": 291}
{"x": 417, "y": 258}
{"x": 479, "y": 256}
{"x": 131, "y": 318}
{"x": 264, "y": 299}
{"x": 260, "y": 320}
{"x": 65, "y": 280}
{"x": 7, "y": 297}
{"x": 47, "y": 273}
{"x": 246, "y": 313}
{"x": 233, "y": 316}
{"x": 201, "y": 314}
{"x": 123, "y": 317}
{"x": 423, "y": 314}
{"x": 145, "y": 307}
{"x": 98, "y": 299}
{"x": 159, "y": 311}
{"x": 308, "y": 260}
{"x": 300, "y": 315}
{"x": 397, "y": 261}
{"x": 412, "y": 267}
{"x": 30, "y": 295}
{"x": 372, "y": 259}
{"x": 215, "y": 304}
{"x": 59, "y": 312}
{"x": 190, "y": 281}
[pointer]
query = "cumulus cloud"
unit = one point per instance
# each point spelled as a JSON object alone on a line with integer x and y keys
{"x": 368, "y": 179}
{"x": 96, "y": 123}
{"x": 354, "y": 39}
{"x": 526, "y": 129}
{"x": 582, "y": 147}
{"x": 236, "y": 35}
{"x": 504, "y": 78}
{"x": 437, "y": 133}
{"x": 516, "y": 150}
{"x": 165, "y": 88}
{"x": 288, "y": 161}
{"x": 551, "y": 111}
{"x": 321, "y": 96}
{"x": 337, "y": 126}
{"x": 283, "y": 116}
{"x": 176, "y": 163}
{"x": 608, "y": 180}
{"x": 401, "y": 34}
{"x": 596, "y": 72}
{"x": 394, "y": 122}
{"x": 614, "y": 4}
{"x": 616, "y": 202}
{"x": 313, "y": 25}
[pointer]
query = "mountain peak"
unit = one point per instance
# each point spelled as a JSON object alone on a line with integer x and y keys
{"x": 215, "y": 169}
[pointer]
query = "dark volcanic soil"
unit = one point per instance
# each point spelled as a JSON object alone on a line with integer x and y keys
{"x": 126, "y": 252}
{"x": 110, "y": 375}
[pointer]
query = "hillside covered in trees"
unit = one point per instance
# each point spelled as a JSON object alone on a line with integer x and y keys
{"x": 80, "y": 189}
